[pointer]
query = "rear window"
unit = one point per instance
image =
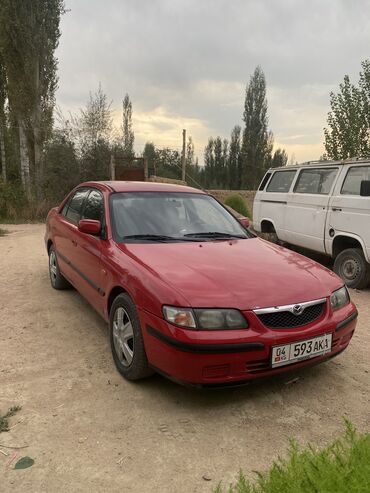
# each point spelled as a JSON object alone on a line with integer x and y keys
{"x": 316, "y": 181}
{"x": 352, "y": 182}
{"x": 281, "y": 181}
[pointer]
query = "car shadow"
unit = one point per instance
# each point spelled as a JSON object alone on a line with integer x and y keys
{"x": 211, "y": 398}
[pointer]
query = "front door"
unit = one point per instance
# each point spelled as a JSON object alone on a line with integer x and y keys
{"x": 87, "y": 253}
{"x": 307, "y": 208}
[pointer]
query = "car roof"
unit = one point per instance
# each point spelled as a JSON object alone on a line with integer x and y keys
{"x": 141, "y": 186}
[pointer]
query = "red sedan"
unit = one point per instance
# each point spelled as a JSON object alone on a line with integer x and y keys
{"x": 188, "y": 290}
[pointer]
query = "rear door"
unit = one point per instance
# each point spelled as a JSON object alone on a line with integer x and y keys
{"x": 348, "y": 211}
{"x": 307, "y": 207}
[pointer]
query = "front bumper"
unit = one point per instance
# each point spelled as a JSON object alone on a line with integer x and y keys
{"x": 213, "y": 358}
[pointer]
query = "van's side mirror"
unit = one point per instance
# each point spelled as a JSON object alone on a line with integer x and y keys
{"x": 90, "y": 226}
{"x": 365, "y": 188}
{"x": 244, "y": 221}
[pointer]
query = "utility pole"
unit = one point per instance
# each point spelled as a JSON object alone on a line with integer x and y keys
{"x": 183, "y": 160}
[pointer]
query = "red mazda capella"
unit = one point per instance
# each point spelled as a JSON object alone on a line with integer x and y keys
{"x": 188, "y": 290}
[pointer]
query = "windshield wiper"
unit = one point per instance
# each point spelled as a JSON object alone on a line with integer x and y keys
{"x": 215, "y": 234}
{"x": 153, "y": 237}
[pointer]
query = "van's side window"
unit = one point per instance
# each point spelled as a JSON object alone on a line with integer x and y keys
{"x": 281, "y": 181}
{"x": 316, "y": 181}
{"x": 352, "y": 182}
{"x": 264, "y": 181}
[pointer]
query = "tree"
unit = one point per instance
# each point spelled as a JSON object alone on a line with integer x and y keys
{"x": 348, "y": 124}
{"x": 91, "y": 131}
{"x": 209, "y": 163}
{"x": 61, "y": 167}
{"x": 95, "y": 121}
{"x": 234, "y": 161}
{"x": 257, "y": 140}
{"x": 128, "y": 134}
{"x": 280, "y": 158}
{"x": 29, "y": 36}
{"x": 168, "y": 163}
{"x": 3, "y": 97}
{"x": 150, "y": 154}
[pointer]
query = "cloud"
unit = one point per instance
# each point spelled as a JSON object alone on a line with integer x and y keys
{"x": 187, "y": 63}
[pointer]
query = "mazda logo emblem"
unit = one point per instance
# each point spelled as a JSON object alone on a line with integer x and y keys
{"x": 297, "y": 309}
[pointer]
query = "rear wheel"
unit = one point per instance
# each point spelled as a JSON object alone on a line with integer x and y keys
{"x": 126, "y": 339}
{"x": 351, "y": 266}
{"x": 56, "y": 278}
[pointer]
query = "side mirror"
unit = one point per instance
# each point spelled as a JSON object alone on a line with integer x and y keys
{"x": 244, "y": 221}
{"x": 365, "y": 188}
{"x": 89, "y": 226}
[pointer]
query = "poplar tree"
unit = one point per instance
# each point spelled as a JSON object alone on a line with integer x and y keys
{"x": 257, "y": 140}
{"x": 29, "y": 36}
{"x": 128, "y": 133}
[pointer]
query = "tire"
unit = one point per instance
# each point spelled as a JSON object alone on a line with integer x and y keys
{"x": 126, "y": 340}
{"x": 351, "y": 266}
{"x": 56, "y": 278}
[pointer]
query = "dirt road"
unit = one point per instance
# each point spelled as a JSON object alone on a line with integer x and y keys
{"x": 90, "y": 430}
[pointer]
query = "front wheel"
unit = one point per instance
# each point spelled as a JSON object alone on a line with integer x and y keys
{"x": 352, "y": 267}
{"x": 126, "y": 340}
{"x": 56, "y": 278}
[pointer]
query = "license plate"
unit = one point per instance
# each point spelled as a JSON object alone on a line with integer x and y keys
{"x": 287, "y": 354}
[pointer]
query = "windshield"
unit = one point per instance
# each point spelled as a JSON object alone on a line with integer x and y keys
{"x": 167, "y": 216}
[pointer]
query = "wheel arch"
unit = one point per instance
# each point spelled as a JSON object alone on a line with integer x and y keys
{"x": 48, "y": 245}
{"x": 115, "y": 291}
{"x": 342, "y": 241}
{"x": 267, "y": 226}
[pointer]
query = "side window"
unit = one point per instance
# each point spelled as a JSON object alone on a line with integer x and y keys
{"x": 316, "y": 181}
{"x": 354, "y": 177}
{"x": 264, "y": 181}
{"x": 74, "y": 210}
{"x": 94, "y": 206}
{"x": 281, "y": 181}
{"x": 65, "y": 208}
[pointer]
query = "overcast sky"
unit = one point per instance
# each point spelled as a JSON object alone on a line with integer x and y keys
{"x": 185, "y": 64}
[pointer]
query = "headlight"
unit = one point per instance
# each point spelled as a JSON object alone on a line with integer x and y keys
{"x": 179, "y": 316}
{"x": 220, "y": 319}
{"x": 206, "y": 319}
{"x": 339, "y": 298}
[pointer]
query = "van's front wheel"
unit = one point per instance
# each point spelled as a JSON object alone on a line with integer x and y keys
{"x": 352, "y": 267}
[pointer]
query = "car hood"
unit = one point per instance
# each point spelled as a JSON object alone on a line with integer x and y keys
{"x": 243, "y": 274}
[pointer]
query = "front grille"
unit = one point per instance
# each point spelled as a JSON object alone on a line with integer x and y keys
{"x": 287, "y": 319}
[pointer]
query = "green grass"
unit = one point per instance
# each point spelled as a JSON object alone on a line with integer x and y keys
{"x": 236, "y": 202}
{"x": 4, "y": 420}
{"x": 3, "y": 232}
{"x": 341, "y": 467}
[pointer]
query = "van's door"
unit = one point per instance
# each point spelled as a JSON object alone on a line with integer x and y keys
{"x": 270, "y": 205}
{"x": 348, "y": 211}
{"x": 307, "y": 207}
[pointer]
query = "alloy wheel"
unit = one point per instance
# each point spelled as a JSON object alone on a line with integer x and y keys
{"x": 123, "y": 336}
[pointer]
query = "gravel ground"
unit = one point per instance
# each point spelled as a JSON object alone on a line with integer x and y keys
{"x": 90, "y": 430}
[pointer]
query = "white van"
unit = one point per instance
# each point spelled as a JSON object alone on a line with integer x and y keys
{"x": 322, "y": 206}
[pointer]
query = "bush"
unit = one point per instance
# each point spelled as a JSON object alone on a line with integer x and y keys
{"x": 12, "y": 200}
{"x": 341, "y": 467}
{"x": 236, "y": 202}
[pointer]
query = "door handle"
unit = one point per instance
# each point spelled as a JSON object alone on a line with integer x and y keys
{"x": 74, "y": 242}
{"x": 336, "y": 209}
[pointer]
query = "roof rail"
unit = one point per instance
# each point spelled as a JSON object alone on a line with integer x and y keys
{"x": 356, "y": 159}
